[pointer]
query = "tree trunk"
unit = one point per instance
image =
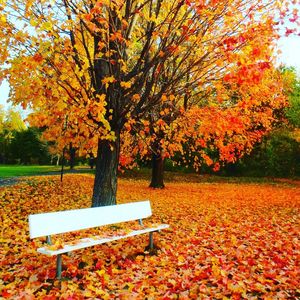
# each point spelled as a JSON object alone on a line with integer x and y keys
{"x": 105, "y": 184}
{"x": 62, "y": 164}
{"x": 157, "y": 179}
{"x": 72, "y": 153}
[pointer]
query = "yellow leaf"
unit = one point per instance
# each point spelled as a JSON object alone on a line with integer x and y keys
{"x": 125, "y": 84}
{"x": 33, "y": 22}
{"x": 100, "y": 272}
{"x": 46, "y": 26}
{"x": 3, "y": 18}
{"x": 107, "y": 80}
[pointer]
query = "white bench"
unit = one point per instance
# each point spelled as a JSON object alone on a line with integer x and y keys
{"x": 47, "y": 224}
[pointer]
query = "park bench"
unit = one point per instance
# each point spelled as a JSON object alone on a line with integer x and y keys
{"x": 47, "y": 224}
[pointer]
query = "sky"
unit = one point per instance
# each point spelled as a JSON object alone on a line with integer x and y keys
{"x": 290, "y": 56}
{"x": 290, "y": 47}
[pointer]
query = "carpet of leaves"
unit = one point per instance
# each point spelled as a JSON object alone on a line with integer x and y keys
{"x": 225, "y": 241}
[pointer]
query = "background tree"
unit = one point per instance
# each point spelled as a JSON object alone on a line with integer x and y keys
{"x": 10, "y": 123}
{"x": 278, "y": 152}
{"x": 244, "y": 108}
{"x": 27, "y": 148}
{"x": 292, "y": 89}
{"x": 238, "y": 50}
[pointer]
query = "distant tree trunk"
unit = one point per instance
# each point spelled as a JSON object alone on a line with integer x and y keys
{"x": 157, "y": 178}
{"x": 72, "y": 153}
{"x": 62, "y": 164}
{"x": 91, "y": 160}
{"x": 58, "y": 159}
{"x": 105, "y": 184}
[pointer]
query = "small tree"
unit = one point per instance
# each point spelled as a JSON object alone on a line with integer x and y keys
{"x": 10, "y": 123}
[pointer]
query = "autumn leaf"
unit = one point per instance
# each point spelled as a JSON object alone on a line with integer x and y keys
{"x": 126, "y": 85}
{"x": 107, "y": 80}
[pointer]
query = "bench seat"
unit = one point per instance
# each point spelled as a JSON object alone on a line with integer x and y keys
{"x": 97, "y": 240}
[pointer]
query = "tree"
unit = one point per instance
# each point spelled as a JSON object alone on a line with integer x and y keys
{"x": 108, "y": 60}
{"x": 243, "y": 56}
{"x": 27, "y": 148}
{"x": 292, "y": 89}
{"x": 278, "y": 152}
{"x": 245, "y": 108}
{"x": 10, "y": 123}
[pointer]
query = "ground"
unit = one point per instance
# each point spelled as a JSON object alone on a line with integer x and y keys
{"x": 225, "y": 241}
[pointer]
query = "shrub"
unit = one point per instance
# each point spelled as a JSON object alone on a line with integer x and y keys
{"x": 278, "y": 155}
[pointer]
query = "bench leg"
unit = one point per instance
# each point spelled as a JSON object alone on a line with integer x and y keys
{"x": 151, "y": 244}
{"x": 48, "y": 240}
{"x": 58, "y": 266}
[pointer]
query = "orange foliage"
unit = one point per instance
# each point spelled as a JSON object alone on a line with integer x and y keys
{"x": 187, "y": 49}
{"x": 226, "y": 241}
{"x": 216, "y": 133}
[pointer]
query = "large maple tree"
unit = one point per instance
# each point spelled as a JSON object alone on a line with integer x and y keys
{"x": 95, "y": 65}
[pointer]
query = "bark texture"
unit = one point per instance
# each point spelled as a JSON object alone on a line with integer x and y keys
{"x": 157, "y": 178}
{"x": 105, "y": 184}
{"x": 72, "y": 153}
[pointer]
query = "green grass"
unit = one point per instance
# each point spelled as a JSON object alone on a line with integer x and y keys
{"x": 17, "y": 170}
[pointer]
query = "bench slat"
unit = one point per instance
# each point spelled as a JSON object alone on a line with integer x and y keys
{"x": 88, "y": 242}
{"x": 72, "y": 220}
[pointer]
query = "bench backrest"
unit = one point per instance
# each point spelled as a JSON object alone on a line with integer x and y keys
{"x": 45, "y": 224}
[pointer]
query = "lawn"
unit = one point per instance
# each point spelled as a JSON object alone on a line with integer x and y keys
{"x": 17, "y": 170}
{"x": 225, "y": 241}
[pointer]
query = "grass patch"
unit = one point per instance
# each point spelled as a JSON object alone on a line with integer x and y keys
{"x": 17, "y": 170}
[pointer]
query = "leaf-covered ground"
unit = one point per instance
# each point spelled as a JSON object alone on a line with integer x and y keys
{"x": 225, "y": 241}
